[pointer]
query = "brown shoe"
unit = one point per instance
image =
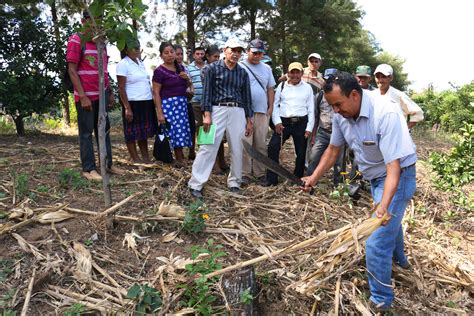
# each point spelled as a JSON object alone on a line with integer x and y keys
{"x": 115, "y": 170}
{"x": 92, "y": 175}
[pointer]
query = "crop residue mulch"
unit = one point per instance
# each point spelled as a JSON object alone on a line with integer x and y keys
{"x": 49, "y": 265}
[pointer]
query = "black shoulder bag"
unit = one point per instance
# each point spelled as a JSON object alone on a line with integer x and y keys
{"x": 162, "y": 146}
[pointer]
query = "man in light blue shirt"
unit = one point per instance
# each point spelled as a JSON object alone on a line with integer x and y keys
{"x": 376, "y": 131}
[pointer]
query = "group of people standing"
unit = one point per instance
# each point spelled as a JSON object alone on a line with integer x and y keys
{"x": 322, "y": 113}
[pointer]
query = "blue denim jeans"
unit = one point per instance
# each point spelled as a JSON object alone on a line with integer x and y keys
{"x": 87, "y": 123}
{"x": 386, "y": 243}
{"x": 322, "y": 140}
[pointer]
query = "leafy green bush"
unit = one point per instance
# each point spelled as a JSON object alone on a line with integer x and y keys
{"x": 456, "y": 168}
{"x": 449, "y": 109}
{"x": 52, "y": 123}
{"x": 6, "y": 125}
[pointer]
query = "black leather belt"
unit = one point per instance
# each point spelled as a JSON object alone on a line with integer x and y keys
{"x": 294, "y": 120}
{"x": 229, "y": 104}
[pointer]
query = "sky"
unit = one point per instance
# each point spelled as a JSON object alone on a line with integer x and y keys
{"x": 434, "y": 37}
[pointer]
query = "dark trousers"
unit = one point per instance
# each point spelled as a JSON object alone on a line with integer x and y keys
{"x": 87, "y": 123}
{"x": 323, "y": 138}
{"x": 192, "y": 120}
{"x": 296, "y": 131}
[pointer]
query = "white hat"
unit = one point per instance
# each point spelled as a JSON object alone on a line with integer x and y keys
{"x": 233, "y": 43}
{"x": 315, "y": 55}
{"x": 385, "y": 69}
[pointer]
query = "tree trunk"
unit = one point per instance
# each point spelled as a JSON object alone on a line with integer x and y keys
{"x": 66, "y": 111}
{"x": 102, "y": 124}
{"x": 20, "y": 125}
{"x": 54, "y": 15}
{"x": 253, "y": 22}
{"x": 191, "y": 34}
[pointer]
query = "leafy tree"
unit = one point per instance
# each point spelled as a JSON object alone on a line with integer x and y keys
{"x": 196, "y": 21}
{"x": 294, "y": 29}
{"x": 250, "y": 11}
{"x": 27, "y": 64}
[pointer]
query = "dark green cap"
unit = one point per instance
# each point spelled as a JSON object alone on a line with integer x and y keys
{"x": 363, "y": 71}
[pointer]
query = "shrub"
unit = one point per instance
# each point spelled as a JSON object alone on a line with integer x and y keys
{"x": 449, "y": 109}
{"x": 456, "y": 168}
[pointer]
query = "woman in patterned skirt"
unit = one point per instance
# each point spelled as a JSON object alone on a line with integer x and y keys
{"x": 138, "y": 110}
{"x": 170, "y": 82}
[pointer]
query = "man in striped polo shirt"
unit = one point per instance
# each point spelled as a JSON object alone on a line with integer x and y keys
{"x": 84, "y": 73}
{"x": 227, "y": 103}
{"x": 194, "y": 69}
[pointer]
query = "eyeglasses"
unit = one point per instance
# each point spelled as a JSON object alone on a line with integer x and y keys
{"x": 257, "y": 53}
{"x": 314, "y": 61}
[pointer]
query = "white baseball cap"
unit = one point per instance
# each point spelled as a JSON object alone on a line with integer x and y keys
{"x": 384, "y": 69}
{"x": 233, "y": 43}
{"x": 315, "y": 55}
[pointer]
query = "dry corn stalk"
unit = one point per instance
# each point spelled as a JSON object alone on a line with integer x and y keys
{"x": 84, "y": 261}
{"x": 54, "y": 217}
{"x": 343, "y": 246}
{"x": 171, "y": 210}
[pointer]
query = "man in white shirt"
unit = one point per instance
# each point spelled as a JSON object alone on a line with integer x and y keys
{"x": 293, "y": 115}
{"x": 383, "y": 77}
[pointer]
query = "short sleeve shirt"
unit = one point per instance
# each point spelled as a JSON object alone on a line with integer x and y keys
{"x": 196, "y": 78}
{"x": 378, "y": 136}
{"x": 261, "y": 73}
{"x": 87, "y": 66}
{"x": 137, "y": 85}
{"x": 172, "y": 85}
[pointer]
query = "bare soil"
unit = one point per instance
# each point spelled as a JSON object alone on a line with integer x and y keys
{"x": 439, "y": 235}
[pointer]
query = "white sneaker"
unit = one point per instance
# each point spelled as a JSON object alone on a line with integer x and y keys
{"x": 92, "y": 175}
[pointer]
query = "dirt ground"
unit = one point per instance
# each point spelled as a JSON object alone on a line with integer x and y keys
{"x": 439, "y": 236}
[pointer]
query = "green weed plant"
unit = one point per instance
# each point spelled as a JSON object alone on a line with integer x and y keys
{"x": 199, "y": 294}
{"x": 147, "y": 299}
{"x": 194, "y": 221}
{"x": 71, "y": 179}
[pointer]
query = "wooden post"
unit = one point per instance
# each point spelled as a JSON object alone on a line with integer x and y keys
{"x": 102, "y": 124}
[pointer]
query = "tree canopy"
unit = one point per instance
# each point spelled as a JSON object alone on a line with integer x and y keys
{"x": 28, "y": 63}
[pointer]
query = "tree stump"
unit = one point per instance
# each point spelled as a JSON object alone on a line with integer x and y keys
{"x": 237, "y": 283}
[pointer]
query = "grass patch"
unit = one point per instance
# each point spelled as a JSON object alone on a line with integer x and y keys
{"x": 72, "y": 179}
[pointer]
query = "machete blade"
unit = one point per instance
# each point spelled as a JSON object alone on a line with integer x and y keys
{"x": 270, "y": 164}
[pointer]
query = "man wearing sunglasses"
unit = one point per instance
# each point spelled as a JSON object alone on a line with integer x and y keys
{"x": 226, "y": 102}
{"x": 376, "y": 131}
{"x": 261, "y": 86}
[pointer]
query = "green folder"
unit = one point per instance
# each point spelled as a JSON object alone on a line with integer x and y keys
{"x": 204, "y": 138}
